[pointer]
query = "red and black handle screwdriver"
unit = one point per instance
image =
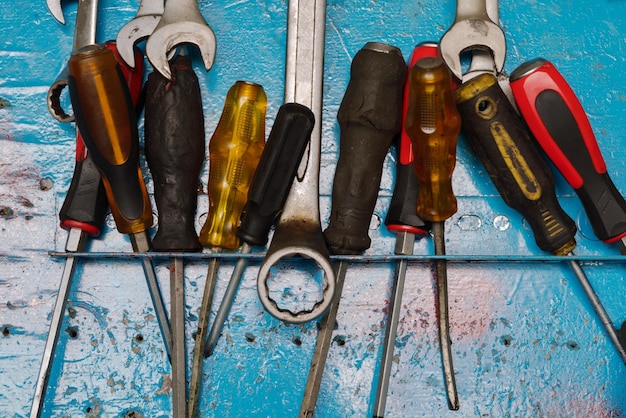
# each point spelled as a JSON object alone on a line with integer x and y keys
{"x": 559, "y": 123}
{"x": 401, "y": 219}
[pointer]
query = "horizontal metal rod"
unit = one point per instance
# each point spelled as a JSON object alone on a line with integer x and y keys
{"x": 374, "y": 258}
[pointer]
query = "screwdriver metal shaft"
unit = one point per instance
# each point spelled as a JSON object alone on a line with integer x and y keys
{"x": 322, "y": 345}
{"x": 404, "y": 246}
{"x": 599, "y": 309}
{"x": 441, "y": 275}
{"x": 76, "y": 242}
{"x": 203, "y": 327}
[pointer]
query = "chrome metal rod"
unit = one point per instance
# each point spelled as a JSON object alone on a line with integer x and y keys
{"x": 404, "y": 245}
{"x": 324, "y": 338}
{"x": 597, "y": 306}
{"x": 76, "y": 242}
{"x": 141, "y": 244}
{"x": 203, "y": 327}
{"x": 441, "y": 275}
{"x": 227, "y": 301}
{"x": 179, "y": 363}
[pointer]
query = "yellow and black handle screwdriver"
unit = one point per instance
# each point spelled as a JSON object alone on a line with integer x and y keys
{"x": 234, "y": 151}
{"x": 82, "y": 214}
{"x": 106, "y": 119}
{"x": 521, "y": 175}
{"x": 174, "y": 146}
{"x": 561, "y": 127}
{"x": 433, "y": 124}
{"x": 370, "y": 117}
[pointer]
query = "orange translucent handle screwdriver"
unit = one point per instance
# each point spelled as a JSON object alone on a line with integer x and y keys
{"x": 234, "y": 151}
{"x": 433, "y": 124}
{"x": 106, "y": 119}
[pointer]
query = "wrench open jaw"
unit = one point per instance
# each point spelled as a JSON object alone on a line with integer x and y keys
{"x": 56, "y": 10}
{"x": 181, "y": 23}
{"x": 473, "y": 30}
{"x": 141, "y": 27}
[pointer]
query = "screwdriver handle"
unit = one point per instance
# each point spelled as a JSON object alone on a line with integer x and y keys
{"x": 402, "y": 214}
{"x": 560, "y": 125}
{"x": 275, "y": 173}
{"x": 106, "y": 119}
{"x": 174, "y": 146}
{"x": 85, "y": 205}
{"x": 421, "y": 50}
{"x": 370, "y": 116}
{"x": 234, "y": 150}
{"x": 521, "y": 175}
{"x": 433, "y": 124}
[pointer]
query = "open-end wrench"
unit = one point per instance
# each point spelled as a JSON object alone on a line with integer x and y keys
{"x": 298, "y": 231}
{"x": 143, "y": 24}
{"x": 181, "y": 23}
{"x": 473, "y": 30}
{"x": 85, "y": 34}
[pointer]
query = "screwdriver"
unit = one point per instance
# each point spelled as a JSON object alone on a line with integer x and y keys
{"x": 106, "y": 119}
{"x": 174, "y": 145}
{"x": 268, "y": 191}
{"x": 235, "y": 150}
{"x": 566, "y": 136}
{"x": 559, "y": 123}
{"x": 433, "y": 124}
{"x": 370, "y": 116}
{"x": 522, "y": 177}
{"x": 401, "y": 219}
{"x": 82, "y": 214}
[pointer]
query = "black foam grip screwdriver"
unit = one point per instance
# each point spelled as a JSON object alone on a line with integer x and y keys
{"x": 275, "y": 173}
{"x": 175, "y": 147}
{"x": 370, "y": 116}
{"x": 512, "y": 159}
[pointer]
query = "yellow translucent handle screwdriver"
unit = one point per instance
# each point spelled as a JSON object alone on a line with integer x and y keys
{"x": 234, "y": 151}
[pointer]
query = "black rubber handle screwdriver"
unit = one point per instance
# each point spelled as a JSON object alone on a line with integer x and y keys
{"x": 402, "y": 219}
{"x": 370, "y": 116}
{"x": 174, "y": 145}
{"x": 521, "y": 175}
{"x": 559, "y": 123}
{"x": 268, "y": 191}
{"x": 106, "y": 118}
{"x": 82, "y": 214}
